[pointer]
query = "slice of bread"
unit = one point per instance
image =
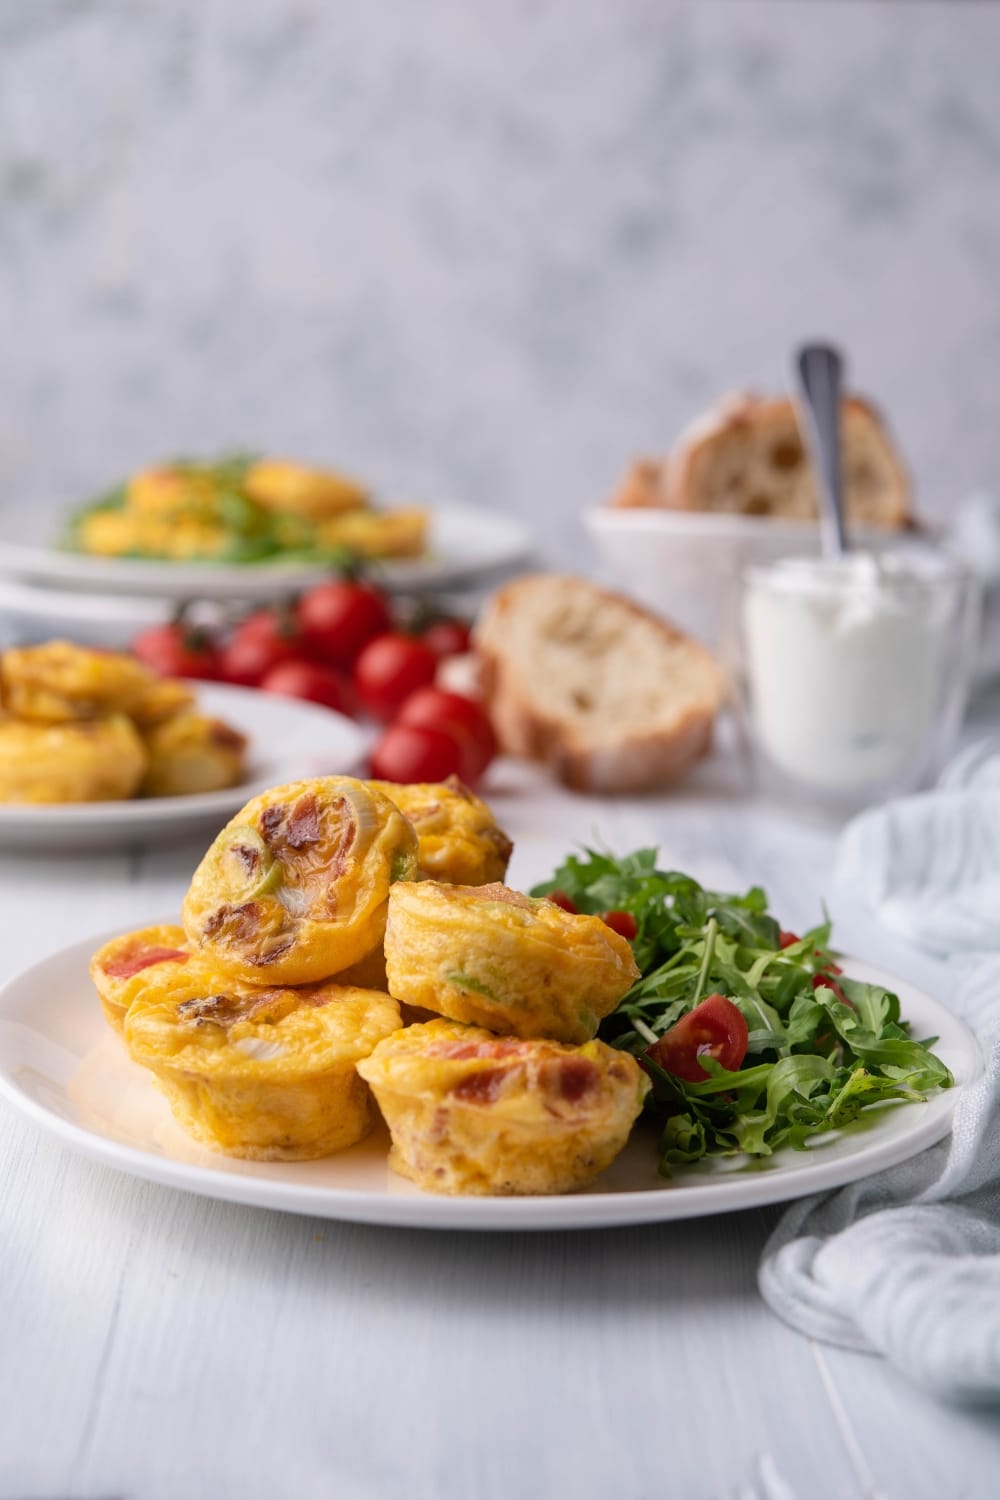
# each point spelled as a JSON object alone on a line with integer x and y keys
{"x": 748, "y": 457}
{"x": 611, "y": 697}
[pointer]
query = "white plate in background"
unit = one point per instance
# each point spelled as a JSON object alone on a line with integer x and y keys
{"x": 63, "y": 1068}
{"x": 464, "y": 543}
{"x": 287, "y": 740}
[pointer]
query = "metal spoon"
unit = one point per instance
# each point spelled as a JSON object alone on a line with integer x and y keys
{"x": 820, "y": 368}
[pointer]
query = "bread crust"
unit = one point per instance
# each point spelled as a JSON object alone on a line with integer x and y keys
{"x": 749, "y": 413}
{"x": 640, "y": 759}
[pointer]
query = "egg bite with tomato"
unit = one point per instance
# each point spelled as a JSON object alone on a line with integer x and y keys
{"x": 126, "y": 964}
{"x": 295, "y": 888}
{"x": 492, "y": 957}
{"x": 474, "y": 1113}
{"x": 267, "y": 1073}
{"x": 94, "y": 760}
{"x": 458, "y": 839}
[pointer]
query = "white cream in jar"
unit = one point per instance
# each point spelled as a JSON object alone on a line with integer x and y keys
{"x": 845, "y": 661}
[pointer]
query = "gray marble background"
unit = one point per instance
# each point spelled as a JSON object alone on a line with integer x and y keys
{"x": 487, "y": 251}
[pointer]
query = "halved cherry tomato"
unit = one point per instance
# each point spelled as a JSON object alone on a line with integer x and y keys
{"x": 464, "y": 720}
{"x": 389, "y": 670}
{"x": 259, "y": 642}
{"x": 621, "y": 922}
{"x": 447, "y": 637}
{"x": 339, "y": 618}
{"x": 715, "y": 1028}
{"x": 560, "y": 898}
{"x": 178, "y": 650}
{"x": 412, "y": 752}
{"x": 311, "y": 681}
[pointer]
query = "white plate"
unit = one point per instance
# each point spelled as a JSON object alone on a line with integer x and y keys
{"x": 464, "y": 543}
{"x": 62, "y": 1067}
{"x": 288, "y": 739}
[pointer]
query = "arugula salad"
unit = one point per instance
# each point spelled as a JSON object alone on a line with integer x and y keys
{"x": 752, "y": 1036}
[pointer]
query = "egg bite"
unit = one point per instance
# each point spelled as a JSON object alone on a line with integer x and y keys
{"x": 173, "y": 492}
{"x": 58, "y": 682}
{"x": 98, "y": 760}
{"x": 378, "y": 533}
{"x": 264, "y": 1073}
{"x": 279, "y": 484}
{"x": 490, "y": 956}
{"x": 458, "y": 839}
{"x": 294, "y": 889}
{"x": 161, "y": 699}
{"x": 473, "y": 1113}
{"x": 193, "y": 753}
{"x": 122, "y": 967}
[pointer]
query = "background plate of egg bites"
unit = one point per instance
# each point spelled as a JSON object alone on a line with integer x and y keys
{"x": 348, "y": 948}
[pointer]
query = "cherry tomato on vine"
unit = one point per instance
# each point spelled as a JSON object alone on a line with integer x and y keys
{"x": 311, "y": 681}
{"x": 178, "y": 650}
{"x": 259, "y": 643}
{"x": 465, "y": 720}
{"x": 715, "y": 1028}
{"x": 339, "y": 618}
{"x": 413, "y": 752}
{"x": 389, "y": 669}
{"x": 447, "y": 637}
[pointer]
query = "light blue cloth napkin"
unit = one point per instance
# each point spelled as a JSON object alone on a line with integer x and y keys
{"x": 907, "y": 1263}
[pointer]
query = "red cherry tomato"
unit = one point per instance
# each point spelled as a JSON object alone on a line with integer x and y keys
{"x": 466, "y": 721}
{"x": 786, "y": 939}
{"x": 825, "y": 980}
{"x": 447, "y": 637}
{"x": 412, "y": 752}
{"x": 560, "y": 898}
{"x": 339, "y": 618}
{"x": 310, "y": 680}
{"x": 178, "y": 650}
{"x": 715, "y": 1028}
{"x": 621, "y": 922}
{"x": 259, "y": 643}
{"x": 389, "y": 669}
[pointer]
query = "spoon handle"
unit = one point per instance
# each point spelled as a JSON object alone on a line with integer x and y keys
{"x": 820, "y": 369}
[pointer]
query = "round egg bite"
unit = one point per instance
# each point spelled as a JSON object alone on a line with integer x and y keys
{"x": 192, "y": 753}
{"x": 490, "y": 956}
{"x": 279, "y": 484}
{"x": 58, "y": 682}
{"x": 458, "y": 839}
{"x": 473, "y": 1113}
{"x": 294, "y": 889}
{"x": 98, "y": 760}
{"x": 128, "y": 963}
{"x": 262, "y": 1073}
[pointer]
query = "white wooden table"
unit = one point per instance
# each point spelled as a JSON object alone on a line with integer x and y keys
{"x": 159, "y": 1346}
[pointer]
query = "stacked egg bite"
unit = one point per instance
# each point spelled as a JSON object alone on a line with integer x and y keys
{"x": 348, "y": 944}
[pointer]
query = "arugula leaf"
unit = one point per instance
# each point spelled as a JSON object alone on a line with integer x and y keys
{"x": 822, "y": 1047}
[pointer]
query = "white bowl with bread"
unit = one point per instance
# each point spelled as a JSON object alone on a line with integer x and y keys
{"x": 738, "y": 488}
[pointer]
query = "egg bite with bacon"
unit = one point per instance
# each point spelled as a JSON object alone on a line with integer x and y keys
{"x": 458, "y": 839}
{"x": 473, "y": 1113}
{"x": 265, "y": 1073}
{"x": 516, "y": 965}
{"x": 294, "y": 889}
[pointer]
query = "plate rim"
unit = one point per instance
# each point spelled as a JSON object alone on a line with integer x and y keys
{"x": 83, "y": 573}
{"x": 18, "y": 819}
{"x": 549, "y": 1212}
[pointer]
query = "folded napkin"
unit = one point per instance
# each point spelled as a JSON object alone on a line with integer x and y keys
{"x": 907, "y": 1263}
